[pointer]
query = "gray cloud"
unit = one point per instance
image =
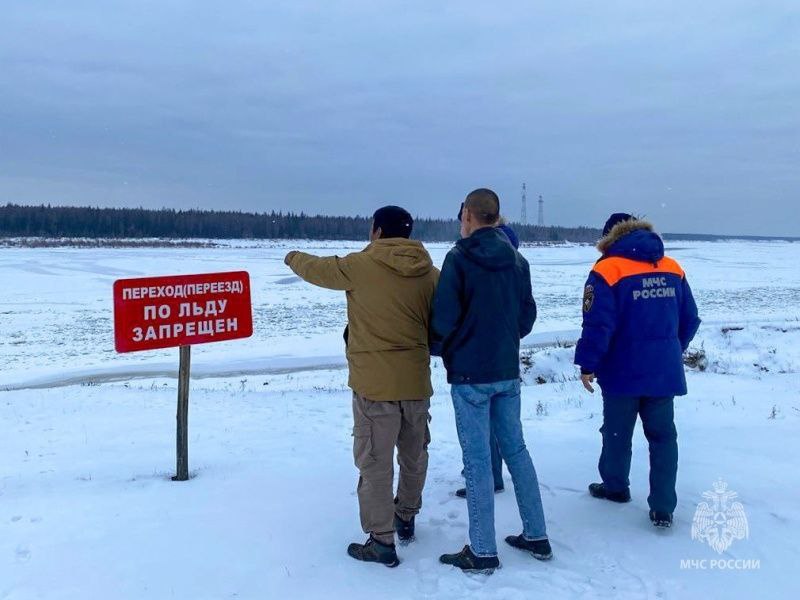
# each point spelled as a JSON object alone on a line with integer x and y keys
{"x": 682, "y": 112}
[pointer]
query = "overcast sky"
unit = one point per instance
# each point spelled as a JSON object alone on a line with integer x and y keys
{"x": 685, "y": 111}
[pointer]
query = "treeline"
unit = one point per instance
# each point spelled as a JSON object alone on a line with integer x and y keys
{"x": 87, "y": 222}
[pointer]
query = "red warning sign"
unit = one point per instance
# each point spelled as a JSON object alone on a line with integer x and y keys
{"x": 181, "y": 310}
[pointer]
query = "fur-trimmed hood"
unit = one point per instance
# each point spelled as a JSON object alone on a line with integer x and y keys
{"x": 635, "y": 239}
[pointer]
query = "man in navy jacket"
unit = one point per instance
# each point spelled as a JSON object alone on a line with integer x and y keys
{"x": 639, "y": 316}
{"x": 483, "y": 305}
{"x": 497, "y": 459}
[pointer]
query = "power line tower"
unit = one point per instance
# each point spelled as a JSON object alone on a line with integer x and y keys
{"x": 541, "y": 212}
{"x": 524, "y": 215}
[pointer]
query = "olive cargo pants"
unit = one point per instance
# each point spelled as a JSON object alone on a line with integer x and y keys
{"x": 379, "y": 427}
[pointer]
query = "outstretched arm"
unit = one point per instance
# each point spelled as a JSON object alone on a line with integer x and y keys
{"x": 329, "y": 272}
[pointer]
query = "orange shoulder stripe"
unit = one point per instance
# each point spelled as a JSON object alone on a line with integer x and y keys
{"x": 615, "y": 268}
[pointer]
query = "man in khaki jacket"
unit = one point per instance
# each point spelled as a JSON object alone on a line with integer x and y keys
{"x": 390, "y": 286}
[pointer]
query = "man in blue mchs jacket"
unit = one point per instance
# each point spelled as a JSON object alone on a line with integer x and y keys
{"x": 639, "y": 316}
{"x": 483, "y": 305}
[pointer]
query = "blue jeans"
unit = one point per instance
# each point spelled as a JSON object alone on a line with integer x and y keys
{"x": 658, "y": 422}
{"x": 480, "y": 410}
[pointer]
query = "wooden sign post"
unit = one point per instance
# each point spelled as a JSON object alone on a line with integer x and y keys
{"x": 184, "y": 367}
{"x": 180, "y": 311}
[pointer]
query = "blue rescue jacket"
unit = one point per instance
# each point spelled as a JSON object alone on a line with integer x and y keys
{"x": 510, "y": 234}
{"x": 639, "y": 316}
{"x": 483, "y": 305}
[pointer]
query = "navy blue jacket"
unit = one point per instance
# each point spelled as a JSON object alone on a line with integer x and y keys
{"x": 482, "y": 307}
{"x": 639, "y": 316}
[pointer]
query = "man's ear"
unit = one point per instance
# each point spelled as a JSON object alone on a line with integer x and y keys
{"x": 377, "y": 233}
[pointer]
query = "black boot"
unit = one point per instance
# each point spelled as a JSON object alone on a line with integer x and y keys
{"x": 469, "y": 563}
{"x": 598, "y": 490}
{"x": 539, "y": 549}
{"x": 661, "y": 519}
{"x": 374, "y": 551}
{"x": 462, "y": 492}
{"x": 404, "y": 529}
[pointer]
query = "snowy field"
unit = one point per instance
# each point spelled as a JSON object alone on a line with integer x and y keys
{"x": 87, "y": 509}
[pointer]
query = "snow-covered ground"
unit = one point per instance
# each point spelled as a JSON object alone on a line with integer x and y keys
{"x": 87, "y": 509}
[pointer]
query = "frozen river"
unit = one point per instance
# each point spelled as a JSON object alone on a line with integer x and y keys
{"x": 56, "y": 304}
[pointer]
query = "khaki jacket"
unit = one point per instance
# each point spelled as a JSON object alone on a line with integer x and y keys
{"x": 390, "y": 286}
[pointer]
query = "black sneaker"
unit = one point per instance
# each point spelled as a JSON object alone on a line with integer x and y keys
{"x": 598, "y": 490}
{"x": 374, "y": 551}
{"x": 462, "y": 492}
{"x": 539, "y": 549}
{"x": 404, "y": 529}
{"x": 469, "y": 563}
{"x": 661, "y": 519}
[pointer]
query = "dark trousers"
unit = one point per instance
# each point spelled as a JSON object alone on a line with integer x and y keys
{"x": 497, "y": 463}
{"x": 658, "y": 422}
